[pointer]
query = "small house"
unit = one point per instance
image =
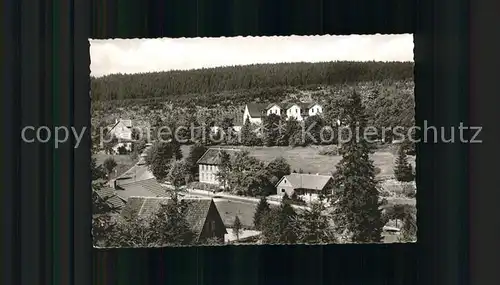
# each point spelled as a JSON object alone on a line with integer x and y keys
{"x": 300, "y": 184}
{"x": 122, "y": 129}
{"x": 201, "y": 214}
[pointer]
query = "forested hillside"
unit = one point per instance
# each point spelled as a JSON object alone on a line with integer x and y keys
{"x": 205, "y": 84}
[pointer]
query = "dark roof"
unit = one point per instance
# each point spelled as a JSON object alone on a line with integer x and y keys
{"x": 269, "y": 106}
{"x": 303, "y": 106}
{"x": 256, "y": 110}
{"x": 146, "y": 188}
{"x": 212, "y": 155}
{"x": 307, "y": 181}
{"x": 108, "y": 194}
{"x": 126, "y": 123}
{"x": 144, "y": 207}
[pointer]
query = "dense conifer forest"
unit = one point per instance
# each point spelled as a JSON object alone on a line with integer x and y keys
{"x": 210, "y": 85}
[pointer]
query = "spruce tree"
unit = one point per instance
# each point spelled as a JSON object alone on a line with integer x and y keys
{"x": 357, "y": 211}
{"x": 286, "y": 215}
{"x": 402, "y": 169}
{"x": 312, "y": 226}
{"x": 237, "y": 227}
{"x": 260, "y": 211}
{"x": 246, "y": 133}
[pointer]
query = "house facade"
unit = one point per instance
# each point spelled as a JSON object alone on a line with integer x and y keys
{"x": 273, "y": 109}
{"x": 201, "y": 214}
{"x": 294, "y": 111}
{"x": 300, "y": 184}
{"x": 208, "y": 164}
{"x": 315, "y": 109}
{"x": 299, "y": 111}
{"x": 122, "y": 129}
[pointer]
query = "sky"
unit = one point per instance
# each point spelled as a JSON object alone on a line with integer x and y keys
{"x": 163, "y": 54}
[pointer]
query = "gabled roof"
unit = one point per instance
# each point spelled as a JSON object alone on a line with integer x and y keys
{"x": 256, "y": 110}
{"x": 108, "y": 194}
{"x": 212, "y": 155}
{"x": 269, "y": 106}
{"x": 126, "y": 123}
{"x": 145, "y": 188}
{"x": 306, "y": 181}
{"x": 144, "y": 207}
{"x": 302, "y": 106}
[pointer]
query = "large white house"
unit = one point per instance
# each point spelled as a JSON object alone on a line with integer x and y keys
{"x": 254, "y": 112}
{"x": 209, "y": 163}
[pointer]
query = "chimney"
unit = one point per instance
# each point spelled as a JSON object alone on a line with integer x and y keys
{"x": 113, "y": 184}
{"x": 116, "y": 121}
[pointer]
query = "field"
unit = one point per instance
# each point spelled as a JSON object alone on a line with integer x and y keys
{"x": 229, "y": 209}
{"x": 124, "y": 162}
{"x": 309, "y": 160}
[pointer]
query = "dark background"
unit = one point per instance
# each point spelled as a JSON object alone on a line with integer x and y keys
{"x": 45, "y": 192}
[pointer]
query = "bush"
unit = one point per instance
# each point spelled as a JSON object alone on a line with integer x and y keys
{"x": 204, "y": 186}
{"x": 122, "y": 150}
{"x": 409, "y": 190}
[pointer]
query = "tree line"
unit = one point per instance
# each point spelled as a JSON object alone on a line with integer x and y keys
{"x": 169, "y": 85}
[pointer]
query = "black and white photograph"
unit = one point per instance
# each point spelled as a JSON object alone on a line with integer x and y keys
{"x": 253, "y": 141}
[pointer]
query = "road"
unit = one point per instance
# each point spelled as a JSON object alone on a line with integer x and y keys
{"x": 141, "y": 172}
{"x": 136, "y": 172}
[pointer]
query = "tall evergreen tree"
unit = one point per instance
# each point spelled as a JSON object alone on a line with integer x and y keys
{"x": 261, "y": 210}
{"x": 271, "y": 131}
{"x": 277, "y": 226}
{"x": 402, "y": 169}
{"x": 313, "y": 226}
{"x": 357, "y": 211}
{"x": 246, "y": 133}
{"x": 237, "y": 227}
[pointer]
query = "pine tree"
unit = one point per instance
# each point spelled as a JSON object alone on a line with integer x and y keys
{"x": 260, "y": 211}
{"x": 246, "y": 133}
{"x": 312, "y": 226}
{"x": 357, "y": 211}
{"x": 409, "y": 229}
{"x": 402, "y": 169}
{"x": 285, "y": 218}
{"x": 176, "y": 149}
{"x": 178, "y": 173}
{"x": 237, "y": 227}
{"x": 97, "y": 170}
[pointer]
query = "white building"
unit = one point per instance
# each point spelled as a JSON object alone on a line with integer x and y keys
{"x": 209, "y": 163}
{"x": 300, "y": 111}
{"x": 122, "y": 129}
